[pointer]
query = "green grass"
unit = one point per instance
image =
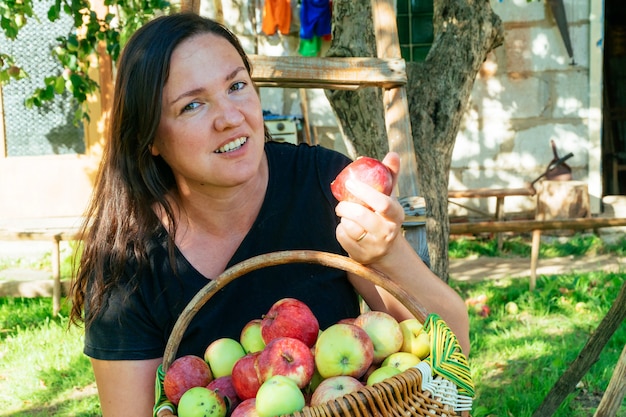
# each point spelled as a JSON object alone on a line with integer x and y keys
{"x": 42, "y": 371}
{"x": 516, "y": 356}
{"x": 551, "y": 247}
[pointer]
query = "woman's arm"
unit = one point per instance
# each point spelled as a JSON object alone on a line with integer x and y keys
{"x": 126, "y": 388}
{"x": 385, "y": 249}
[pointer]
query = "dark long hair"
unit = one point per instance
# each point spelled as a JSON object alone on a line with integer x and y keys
{"x": 120, "y": 219}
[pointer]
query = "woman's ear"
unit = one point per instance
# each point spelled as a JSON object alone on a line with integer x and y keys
{"x": 153, "y": 149}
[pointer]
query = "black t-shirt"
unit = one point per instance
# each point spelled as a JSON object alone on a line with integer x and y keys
{"x": 297, "y": 213}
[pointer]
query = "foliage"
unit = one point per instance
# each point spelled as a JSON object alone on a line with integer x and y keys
{"x": 75, "y": 51}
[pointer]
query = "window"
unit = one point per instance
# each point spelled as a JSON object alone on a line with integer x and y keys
{"x": 415, "y": 28}
{"x": 38, "y": 131}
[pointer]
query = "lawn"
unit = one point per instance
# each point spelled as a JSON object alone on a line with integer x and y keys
{"x": 522, "y": 341}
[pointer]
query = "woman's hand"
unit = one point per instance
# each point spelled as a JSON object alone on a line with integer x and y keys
{"x": 369, "y": 231}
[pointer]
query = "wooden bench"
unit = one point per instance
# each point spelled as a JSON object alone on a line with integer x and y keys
{"x": 500, "y": 194}
{"x": 52, "y": 235}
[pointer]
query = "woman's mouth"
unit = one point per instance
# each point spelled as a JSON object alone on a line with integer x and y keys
{"x": 234, "y": 145}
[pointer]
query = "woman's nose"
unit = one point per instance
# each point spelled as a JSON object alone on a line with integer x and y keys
{"x": 228, "y": 115}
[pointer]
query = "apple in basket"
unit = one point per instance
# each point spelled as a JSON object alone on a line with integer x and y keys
{"x": 414, "y": 339}
{"x": 384, "y": 330}
{"x": 224, "y": 386}
{"x": 201, "y": 402}
{"x": 246, "y": 408}
{"x": 288, "y": 357}
{"x": 183, "y": 374}
{"x": 250, "y": 337}
{"x": 343, "y": 349}
{"x": 382, "y": 373}
{"x": 246, "y": 379}
{"x": 333, "y": 388}
{"x": 277, "y": 396}
{"x": 221, "y": 355}
{"x": 365, "y": 169}
{"x": 401, "y": 360}
{"x": 289, "y": 317}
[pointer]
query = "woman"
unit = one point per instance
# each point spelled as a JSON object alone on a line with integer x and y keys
{"x": 190, "y": 185}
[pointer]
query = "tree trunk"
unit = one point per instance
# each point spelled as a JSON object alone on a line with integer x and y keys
{"x": 360, "y": 113}
{"x": 438, "y": 90}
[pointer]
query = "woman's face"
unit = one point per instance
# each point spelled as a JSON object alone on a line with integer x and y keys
{"x": 211, "y": 131}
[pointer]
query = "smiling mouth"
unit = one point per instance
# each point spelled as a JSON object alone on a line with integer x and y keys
{"x": 232, "y": 146}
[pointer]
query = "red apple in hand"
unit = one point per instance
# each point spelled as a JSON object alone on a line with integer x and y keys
{"x": 288, "y": 357}
{"x": 185, "y": 373}
{"x": 289, "y": 317}
{"x": 364, "y": 169}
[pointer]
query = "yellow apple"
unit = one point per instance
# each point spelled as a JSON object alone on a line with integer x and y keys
{"x": 401, "y": 360}
{"x": 415, "y": 339}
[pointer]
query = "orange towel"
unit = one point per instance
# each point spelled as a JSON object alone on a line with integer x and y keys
{"x": 276, "y": 14}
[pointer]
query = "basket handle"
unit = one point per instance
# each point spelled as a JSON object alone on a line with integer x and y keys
{"x": 279, "y": 258}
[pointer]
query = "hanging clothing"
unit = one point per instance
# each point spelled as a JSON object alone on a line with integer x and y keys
{"x": 315, "y": 18}
{"x": 276, "y": 15}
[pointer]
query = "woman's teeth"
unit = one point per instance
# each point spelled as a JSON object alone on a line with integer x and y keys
{"x": 231, "y": 146}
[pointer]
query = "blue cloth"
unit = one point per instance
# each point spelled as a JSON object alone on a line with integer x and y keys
{"x": 315, "y": 18}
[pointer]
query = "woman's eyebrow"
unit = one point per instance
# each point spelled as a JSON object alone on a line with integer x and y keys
{"x": 196, "y": 91}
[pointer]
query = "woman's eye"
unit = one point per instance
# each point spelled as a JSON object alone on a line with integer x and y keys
{"x": 237, "y": 86}
{"x": 191, "y": 106}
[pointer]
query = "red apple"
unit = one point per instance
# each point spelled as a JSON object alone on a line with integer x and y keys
{"x": 246, "y": 378}
{"x": 364, "y": 169}
{"x": 333, "y": 388}
{"x": 288, "y": 357}
{"x": 224, "y": 386}
{"x": 246, "y": 408}
{"x": 183, "y": 374}
{"x": 289, "y": 317}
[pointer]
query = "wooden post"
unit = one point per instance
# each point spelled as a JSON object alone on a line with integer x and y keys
{"x": 397, "y": 119}
{"x": 557, "y": 200}
{"x": 56, "y": 275}
{"x": 614, "y": 394}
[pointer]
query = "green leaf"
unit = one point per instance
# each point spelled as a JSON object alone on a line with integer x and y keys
{"x": 59, "y": 85}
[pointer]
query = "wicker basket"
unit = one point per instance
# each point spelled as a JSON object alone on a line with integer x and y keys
{"x": 400, "y": 395}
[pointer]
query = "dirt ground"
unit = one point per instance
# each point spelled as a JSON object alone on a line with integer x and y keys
{"x": 497, "y": 268}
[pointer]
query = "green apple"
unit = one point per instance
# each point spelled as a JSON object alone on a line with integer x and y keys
{"x": 343, "y": 349}
{"x": 384, "y": 330}
{"x": 250, "y": 337}
{"x": 201, "y": 402}
{"x": 279, "y": 395}
{"x": 221, "y": 355}
{"x": 382, "y": 373}
{"x": 415, "y": 339}
{"x": 401, "y": 360}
